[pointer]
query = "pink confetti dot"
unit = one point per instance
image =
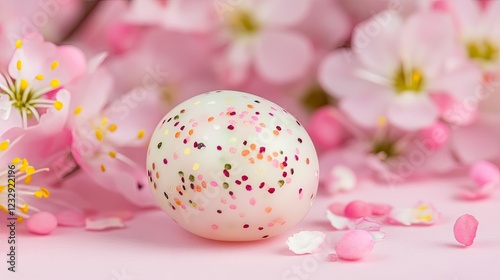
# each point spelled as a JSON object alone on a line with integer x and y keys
{"x": 357, "y": 209}
{"x": 214, "y": 226}
{"x": 42, "y": 223}
{"x": 465, "y": 229}
{"x": 354, "y": 245}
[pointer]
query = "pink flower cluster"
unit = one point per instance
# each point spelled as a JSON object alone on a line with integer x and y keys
{"x": 410, "y": 90}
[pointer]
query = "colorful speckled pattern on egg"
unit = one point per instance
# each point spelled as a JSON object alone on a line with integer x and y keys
{"x": 232, "y": 166}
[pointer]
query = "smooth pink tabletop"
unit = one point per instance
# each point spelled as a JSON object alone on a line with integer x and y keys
{"x": 153, "y": 247}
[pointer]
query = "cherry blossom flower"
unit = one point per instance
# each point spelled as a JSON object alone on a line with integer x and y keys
{"x": 415, "y": 68}
{"x": 37, "y": 70}
{"x": 420, "y": 214}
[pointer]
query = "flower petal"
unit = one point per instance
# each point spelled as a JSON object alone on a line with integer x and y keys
{"x": 367, "y": 108}
{"x": 305, "y": 242}
{"x": 465, "y": 229}
{"x": 282, "y": 57}
{"x": 412, "y": 112}
{"x": 337, "y": 222}
{"x": 282, "y": 13}
{"x": 103, "y": 224}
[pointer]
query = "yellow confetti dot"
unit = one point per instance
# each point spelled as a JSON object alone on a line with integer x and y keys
{"x": 187, "y": 151}
{"x": 30, "y": 170}
{"x": 112, "y": 127}
{"x": 24, "y": 208}
{"x": 197, "y": 102}
{"x": 99, "y": 135}
{"x": 24, "y": 84}
{"x": 19, "y": 65}
{"x": 103, "y": 168}
{"x": 58, "y": 105}
{"x": 55, "y": 83}
{"x": 112, "y": 154}
{"x": 196, "y": 166}
{"x": 19, "y": 44}
{"x": 16, "y": 161}
{"x": 141, "y": 134}
{"x": 4, "y": 145}
{"x": 166, "y": 132}
{"x": 78, "y": 110}
{"x": 39, "y": 77}
{"x": 54, "y": 65}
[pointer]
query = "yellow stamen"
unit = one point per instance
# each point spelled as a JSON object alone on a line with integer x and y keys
{"x": 99, "y": 135}
{"x": 141, "y": 134}
{"x": 16, "y": 161}
{"x": 2, "y": 188}
{"x": 3, "y": 209}
{"x": 39, "y": 77}
{"x": 422, "y": 207}
{"x": 58, "y": 105}
{"x": 78, "y": 110}
{"x": 112, "y": 154}
{"x": 112, "y": 127}
{"x": 103, "y": 168}
{"x": 54, "y": 65}
{"x": 104, "y": 121}
{"x": 43, "y": 192}
{"x": 19, "y": 44}
{"x": 55, "y": 83}
{"x": 381, "y": 121}
{"x": 19, "y": 65}
{"x": 24, "y": 84}
{"x": 24, "y": 208}
{"x": 28, "y": 179}
{"x": 20, "y": 219}
{"x": 30, "y": 170}
{"x": 425, "y": 218}
{"x": 4, "y": 145}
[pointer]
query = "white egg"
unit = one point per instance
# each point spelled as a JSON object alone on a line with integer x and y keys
{"x": 232, "y": 166}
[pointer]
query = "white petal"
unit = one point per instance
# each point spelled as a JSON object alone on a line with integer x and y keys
{"x": 337, "y": 222}
{"x": 5, "y": 106}
{"x": 342, "y": 178}
{"x": 305, "y": 242}
{"x": 103, "y": 224}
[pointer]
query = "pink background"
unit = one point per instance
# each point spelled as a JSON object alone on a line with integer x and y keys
{"x": 153, "y": 247}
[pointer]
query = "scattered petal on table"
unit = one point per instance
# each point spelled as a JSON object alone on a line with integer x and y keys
{"x": 103, "y": 224}
{"x": 337, "y": 222}
{"x": 380, "y": 209}
{"x": 482, "y": 192}
{"x": 305, "y": 242}
{"x": 465, "y": 229}
{"x": 421, "y": 214}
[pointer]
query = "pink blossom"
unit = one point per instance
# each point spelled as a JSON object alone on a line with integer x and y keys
{"x": 415, "y": 67}
{"x": 420, "y": 214}
{"x": 37, "y": 70}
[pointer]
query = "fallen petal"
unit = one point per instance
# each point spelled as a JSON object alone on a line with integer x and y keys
{"x": 103, "y": 224}
{"x": 354, "y": 245}
{"x": 380, "y": 209}
{"x": 305, "y": 242}
{"x": 337, "y": 208}
{"x": 465, "y": 229}
{"x": 483, "y": 192}
{"x": 337, "y": 222}
{"x": 70, "y": 218}
{"x": 484, "y": 172}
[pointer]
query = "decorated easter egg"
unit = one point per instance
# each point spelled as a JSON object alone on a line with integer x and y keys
{"x": 232, "y": 166}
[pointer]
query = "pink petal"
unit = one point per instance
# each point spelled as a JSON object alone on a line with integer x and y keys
{"x": 418, "y": 38}
{"x": 337, "y": 208}
{"x": 380, "y": 209}
{"x": 41, "y": 223}
{"x": 103, "y": 224}
{"x": 475, "y": 142}
{"x": 357, "y": 209}
{"x": 435, "y": 136}
{"x": 354, "y": 245}
{"x": 412, "y": 111}
{"x": 337, "y": 74}
{"x": 371, "y": 49}
{"x": 482, "y": 192}
{"x": 282, "y": 13}
{"x": 70, "y": 218}
{"x": 465, "y": 229}
{"x": 484, "y": 172}
{"x": 461, "y": 82}
{"x": 365, "y": 109}
{"x": 236, "y": 65}
{"x": 282, "y": 57}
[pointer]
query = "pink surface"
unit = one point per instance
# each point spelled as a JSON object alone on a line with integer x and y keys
{"x": 153, "y": 247}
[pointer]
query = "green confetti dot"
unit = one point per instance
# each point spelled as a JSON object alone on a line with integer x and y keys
{"x": 159, "y": 145}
